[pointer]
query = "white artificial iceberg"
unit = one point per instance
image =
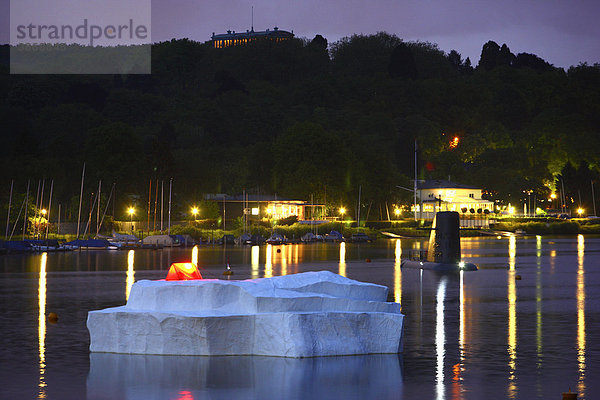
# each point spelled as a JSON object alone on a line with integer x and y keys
{"x": 302, "y": 315}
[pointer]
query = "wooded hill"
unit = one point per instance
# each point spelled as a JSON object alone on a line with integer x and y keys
{"x": 303, "y": 117}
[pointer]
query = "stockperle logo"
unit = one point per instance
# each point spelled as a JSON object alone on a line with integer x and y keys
{"x": 48, "y": 33}
{"x": 74, "y": 36}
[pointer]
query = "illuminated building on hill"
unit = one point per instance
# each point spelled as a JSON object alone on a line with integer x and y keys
{"x": 233, "y": 38}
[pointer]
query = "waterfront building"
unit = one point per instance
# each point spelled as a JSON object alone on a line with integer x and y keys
{"x": 441, "y": 195}
{"x": 257, "y": 207}
{"x": 233, "y": 38}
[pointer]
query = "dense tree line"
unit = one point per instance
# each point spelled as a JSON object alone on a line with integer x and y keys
{"x": 306, "y": 117}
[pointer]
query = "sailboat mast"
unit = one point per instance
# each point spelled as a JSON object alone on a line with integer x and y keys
{"x": 10, "y": 203}
{"x": 149, "y": 204}
{"x": 80, "y": 197}
{"x": 26, "y": 203}
{"x": 49, "y": 208}
{"x": 170, "y": 191}
{"x": 98, "y": 210}
{"x": 593, "y": 198}
{"x": 415, "y": 185}
{"x": 358, "y": 213}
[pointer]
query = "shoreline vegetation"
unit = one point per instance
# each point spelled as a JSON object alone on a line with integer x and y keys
{"x": 374, "y": 229}
{"x": 302, "y": 119}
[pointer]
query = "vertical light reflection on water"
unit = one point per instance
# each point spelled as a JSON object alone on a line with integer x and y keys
{"x": 131, "y": 272}
{"x": 296, "y": 258}
{"x": 552, "y": 260}
{"x": 440, "y": 339}
{"x": 461, "y": 332}
{"x": 538, "y": 301}
{"x": 458, "y": 368}
{"x": 269, "y": 261}
{"x": 342, "y": 269}
{"x": 255, "y": 261}
{"x": 42, "y": 326}
{"x": 398, "y": 272}
{"x": 538, "y": 313}
{"x": 512, "y": 318}
{"x": 284, "y": 260}
{"x": 195, "y": 255}
{"x": 581, "y": 315}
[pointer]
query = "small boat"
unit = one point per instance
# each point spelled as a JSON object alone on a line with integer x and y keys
{"x": 92, "y": 244}
{"x": 16, "y": 246}
{"x": 244, "y": 238}
{"x": 334, "y": 236}
{"x": 277, "y": 238}
{"x": 309, "y": 237}
{"x": 45, "y": 245}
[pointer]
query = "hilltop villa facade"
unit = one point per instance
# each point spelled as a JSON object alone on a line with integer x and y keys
{"x": 440, "y": 195}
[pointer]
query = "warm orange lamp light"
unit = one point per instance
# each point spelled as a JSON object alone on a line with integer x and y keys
{"x": 183, "y": 272}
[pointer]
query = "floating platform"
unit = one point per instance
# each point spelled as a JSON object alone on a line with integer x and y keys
{"x": 302, "y": 315}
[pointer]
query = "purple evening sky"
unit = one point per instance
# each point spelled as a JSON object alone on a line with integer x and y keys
{"x": 563, "y": 32}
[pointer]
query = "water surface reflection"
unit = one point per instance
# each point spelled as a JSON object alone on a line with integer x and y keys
{"x": 124, "y": 376}
{"x": 42, "y": 326}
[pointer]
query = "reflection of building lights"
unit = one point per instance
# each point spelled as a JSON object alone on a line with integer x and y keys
{"x": 130, "y": 273}
{"x": 255, "y": 262}
{"x": 581, "y": 315}
{"x": 342, "y": 269}
{"x": 284, "y": 260}
{"x": 538, "y": 301}
{"x": 440, "y": 338}
{"x": 42, "y": 326}
{"x": 461, "y": 332}
{"x": 269, "y": 261}
{"x": 512, "y": 318}
{"x": 512, "y": 251}
{"x": 195, "y": 255}
{"x": 398, "y": 272}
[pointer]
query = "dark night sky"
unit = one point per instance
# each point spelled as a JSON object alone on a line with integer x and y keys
{"x": 563, "y": 32}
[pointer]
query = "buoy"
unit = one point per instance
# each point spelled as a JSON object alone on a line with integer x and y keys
{"x": 279, "y": 250}
{"x": 518, "y": 277}
{"x": 569, "y": 395}
{"x": 368, "y": 260}
{"x": 228, "y": 270}
{"x": 53, "y": 317}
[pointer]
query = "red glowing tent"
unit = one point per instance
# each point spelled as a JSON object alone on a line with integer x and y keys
{"x": 183, "y": 272}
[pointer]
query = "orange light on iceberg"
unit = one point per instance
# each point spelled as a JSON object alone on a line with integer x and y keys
{"x": 183, "y": 272}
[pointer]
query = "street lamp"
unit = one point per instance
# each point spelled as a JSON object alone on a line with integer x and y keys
{"x": 131, "y": 211}
{"x": 342, "y": 212}
{"x": 552, "y": 197}
{"x": 397, "y": 212}
{"x": 580, "y": 211}
{"x": 195, "y": 212}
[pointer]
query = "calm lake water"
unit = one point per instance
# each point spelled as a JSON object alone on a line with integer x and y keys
{"x": 474, "y": 335}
